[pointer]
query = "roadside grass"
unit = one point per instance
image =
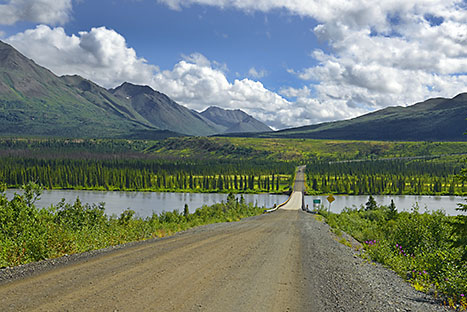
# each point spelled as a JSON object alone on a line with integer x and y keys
{"x": 419, "y": 247}
{"x": 319, "y": 218}
{"x": 29, "y": 234}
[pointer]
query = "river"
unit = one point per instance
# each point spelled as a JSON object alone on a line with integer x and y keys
{"x": 145, "y": 203}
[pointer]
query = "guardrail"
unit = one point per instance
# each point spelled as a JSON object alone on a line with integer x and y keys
{"x": 278, "y": 206}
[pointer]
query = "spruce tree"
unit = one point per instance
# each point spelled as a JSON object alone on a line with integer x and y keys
{"x": 371, "y": 204}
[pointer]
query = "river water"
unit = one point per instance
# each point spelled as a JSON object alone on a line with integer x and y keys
{"x": 145, "y": 203}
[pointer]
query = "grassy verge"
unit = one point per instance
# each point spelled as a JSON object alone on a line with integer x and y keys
{"x": 29, "y": 234}
{"x": 421, "y": 247}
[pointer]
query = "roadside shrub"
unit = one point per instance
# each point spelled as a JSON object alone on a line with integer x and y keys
{"x": 77, "y": 215}
{"x": 29, "y": 234}
{"x": 23, "y": 233}
{"x": 423, "y": 248}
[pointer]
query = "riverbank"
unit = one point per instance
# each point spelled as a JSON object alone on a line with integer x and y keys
{"x": 32, "y": 234}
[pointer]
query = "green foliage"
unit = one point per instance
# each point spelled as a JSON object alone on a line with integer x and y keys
{"x": 30, "y": 234}
{"x": 77, "y": 216}
{"x": 402, "y": 176}
{"x": 418, "y": 246}
{"x": 23, "y": 233}
{"x": 371, "y": 204}
{"x": 198, "y": 164}
{"x": 392, "y": 210}
{"x": 123, "y": 165}
{"x": 460, "y": 223}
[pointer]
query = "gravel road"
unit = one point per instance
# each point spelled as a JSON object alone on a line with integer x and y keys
{"x": 282, "y": 261}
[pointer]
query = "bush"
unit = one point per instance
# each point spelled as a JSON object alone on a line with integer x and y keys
{"x": 422, "y": 248}
{"x": 30, "y": 234}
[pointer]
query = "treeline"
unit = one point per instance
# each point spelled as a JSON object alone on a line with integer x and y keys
{"x": 59, "y": 146}
{"x": 396, "y": 177}
{"x": 147, "y": 174}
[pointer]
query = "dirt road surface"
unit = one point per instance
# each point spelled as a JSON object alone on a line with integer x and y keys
{"x": 282, "y": 261}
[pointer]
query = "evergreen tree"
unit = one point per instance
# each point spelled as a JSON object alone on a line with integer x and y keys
{"x": 371, "y": 204}
{"x": 392, "y": 210}
{"x": 460, "y": 225}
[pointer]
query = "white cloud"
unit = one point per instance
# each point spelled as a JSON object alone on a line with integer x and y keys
{"x": 381, "y": 53}
{"x": 100, "y": 55}
{"x": 197, "y": 83}
{"x": 394, "y": 52}
{"x": 38, "y": 11}
{"x": 255, "y": 74}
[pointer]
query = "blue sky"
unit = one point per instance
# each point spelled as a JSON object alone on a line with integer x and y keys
{"x": 288, "y": 63}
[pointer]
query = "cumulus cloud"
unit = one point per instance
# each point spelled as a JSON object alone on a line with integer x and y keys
{"x": 37, "y": 11}
{"x": 100, "y": 54}
{"x": 387, "y": 53}
{"x": 198, "y": 83}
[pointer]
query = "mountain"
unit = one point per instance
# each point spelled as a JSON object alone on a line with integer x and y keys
{"x": 437, "y": 119}
{"x": 234, "y": 121}
{"x": 34, "y": 101}
{"x": 158, "y": 109}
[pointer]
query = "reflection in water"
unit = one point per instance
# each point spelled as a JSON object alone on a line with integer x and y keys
{"x": 145, "y": 203}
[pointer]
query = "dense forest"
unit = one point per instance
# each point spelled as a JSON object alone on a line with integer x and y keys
{"x": 395, "y": 177}
{"x": 147, "y": 174}
{"x": 238, "y": 165}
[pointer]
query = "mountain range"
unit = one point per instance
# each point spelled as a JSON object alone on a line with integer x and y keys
{"x": 34, "y": 101}
{"x": 437, "y": 119}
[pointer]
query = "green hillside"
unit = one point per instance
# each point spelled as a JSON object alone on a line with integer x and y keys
{"x": 158, "y": 109}
{"x": 433, "y": 120}
{"x": 34, "y": 101}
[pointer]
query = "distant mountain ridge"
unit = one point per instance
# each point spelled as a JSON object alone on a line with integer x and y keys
{"x": 158, "y": 109}
{"x": 34, "y": 101}
{"x": 234, "y": 121}
{"x": 437, "y": 119}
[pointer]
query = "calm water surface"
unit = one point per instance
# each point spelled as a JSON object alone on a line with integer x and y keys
{"x": 145, "y": 203}
{"x": 402, "y": 202}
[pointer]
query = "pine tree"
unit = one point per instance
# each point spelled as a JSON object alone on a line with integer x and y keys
{"x": 371, "y": 204}
{"x": 392, "y": 210}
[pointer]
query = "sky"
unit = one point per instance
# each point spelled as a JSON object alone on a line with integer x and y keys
{"x": 288, "y": 63}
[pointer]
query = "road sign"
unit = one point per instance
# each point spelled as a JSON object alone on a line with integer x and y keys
{"x": 330, "y": 198}
{"x": 316, "y": 201}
